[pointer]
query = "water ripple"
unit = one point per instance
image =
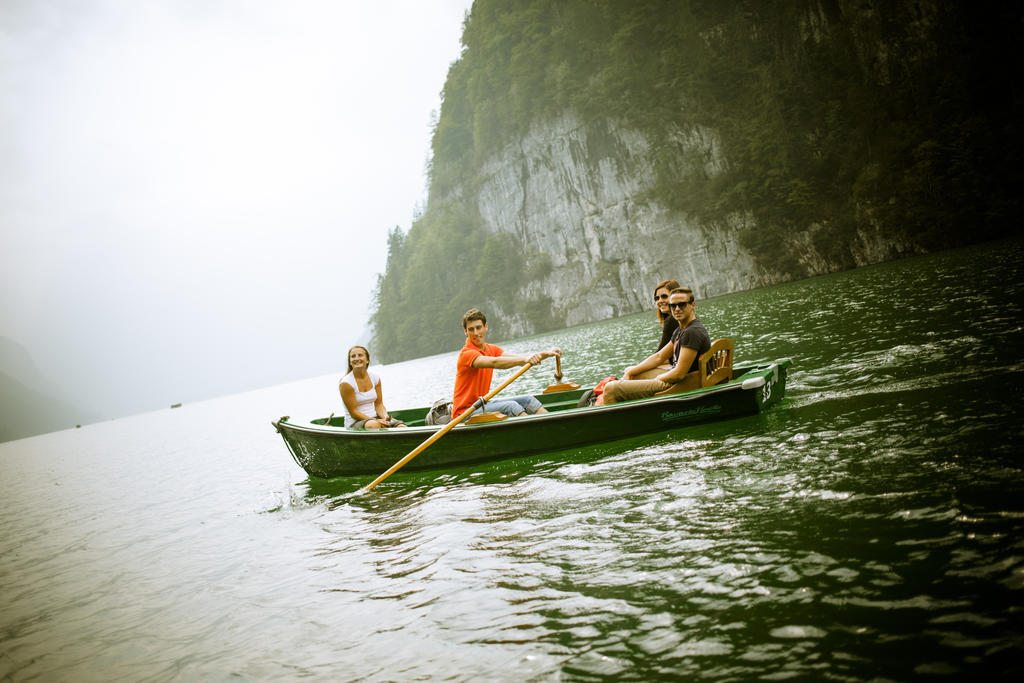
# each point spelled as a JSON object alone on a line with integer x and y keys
{"x": 869, "y": 528}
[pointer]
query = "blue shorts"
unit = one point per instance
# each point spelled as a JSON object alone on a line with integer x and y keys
{"x": 512, "y": 406}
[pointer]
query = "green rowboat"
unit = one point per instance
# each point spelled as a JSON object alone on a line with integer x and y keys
{"x": 325, "y": 448}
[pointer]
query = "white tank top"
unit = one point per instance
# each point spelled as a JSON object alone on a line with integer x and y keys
{"x": 364, "y": 399}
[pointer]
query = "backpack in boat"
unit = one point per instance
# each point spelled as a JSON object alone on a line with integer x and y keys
{"x": 440, "y": 413}
{"x": 592, "y": 396}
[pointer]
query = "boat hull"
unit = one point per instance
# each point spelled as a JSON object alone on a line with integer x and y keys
{"x": 326, "y": 450}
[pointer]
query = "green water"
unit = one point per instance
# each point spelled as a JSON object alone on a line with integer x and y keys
{"x": 868, "y": 528}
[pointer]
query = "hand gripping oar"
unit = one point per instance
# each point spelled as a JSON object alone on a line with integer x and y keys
{"x": 444, "y": 430}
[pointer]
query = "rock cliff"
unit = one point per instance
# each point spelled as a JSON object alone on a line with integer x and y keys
{"x": 580, "y": 195}
{"x": 587, "y": 149}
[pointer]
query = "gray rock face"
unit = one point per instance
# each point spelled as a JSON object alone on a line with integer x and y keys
{"x": 575, "y": 193}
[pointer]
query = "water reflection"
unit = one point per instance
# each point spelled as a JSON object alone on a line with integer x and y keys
{"x": 868, "y": 528}
{"x": 863, "y": 528}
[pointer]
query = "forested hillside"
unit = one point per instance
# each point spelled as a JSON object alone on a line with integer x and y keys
{"x": 803, "y": 129}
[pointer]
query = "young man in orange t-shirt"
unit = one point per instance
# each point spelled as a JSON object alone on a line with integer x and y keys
{"x": 477, "y": 362}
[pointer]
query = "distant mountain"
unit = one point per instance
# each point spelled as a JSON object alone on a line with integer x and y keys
{"x": 17, "y": 363}
{"x": 30, "y": 404}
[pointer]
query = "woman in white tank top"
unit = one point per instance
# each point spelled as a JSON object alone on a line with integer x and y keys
{"x": 361, "y": 392}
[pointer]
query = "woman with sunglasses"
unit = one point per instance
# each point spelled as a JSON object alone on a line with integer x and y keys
{"x": 673, "y": 363}
{"x": 668, "y": 323}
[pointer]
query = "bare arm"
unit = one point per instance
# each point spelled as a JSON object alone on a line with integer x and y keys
{"x": 682, "y": 367}
{"x": 378, "y": 405}
{"x": 511, "y": 360}
{"x": 348, "y": 396}
{"x": 659, "y": 357}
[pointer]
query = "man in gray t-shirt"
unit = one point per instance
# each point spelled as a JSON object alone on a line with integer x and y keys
{"x": 682, "y": 354}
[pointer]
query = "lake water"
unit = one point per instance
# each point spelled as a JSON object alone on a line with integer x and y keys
{"x": 868, "y": 528}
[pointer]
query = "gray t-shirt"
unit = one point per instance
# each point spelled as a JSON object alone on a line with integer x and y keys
{"x": 693, "y": 336}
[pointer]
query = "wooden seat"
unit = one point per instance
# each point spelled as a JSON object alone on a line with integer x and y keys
{"x": 565, "y": 386}
{"x": 486, "y": 417}
{"x": 715, "y": 367}
{"x": 689, "y": 382}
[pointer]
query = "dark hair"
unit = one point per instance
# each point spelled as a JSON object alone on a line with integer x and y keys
{"x": 348, "y": 356}
{"x": 664, "y": 284}
{"x": 473, "y": 314}
{"x": 684, "y": 290}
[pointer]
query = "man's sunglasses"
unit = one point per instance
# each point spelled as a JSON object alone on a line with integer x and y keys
{"x": 680, "y": 304}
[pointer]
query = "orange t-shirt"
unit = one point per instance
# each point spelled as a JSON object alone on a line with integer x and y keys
{"x": 471, "y": 383}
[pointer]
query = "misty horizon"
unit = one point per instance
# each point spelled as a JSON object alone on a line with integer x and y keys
{"x": 196, "y": 197}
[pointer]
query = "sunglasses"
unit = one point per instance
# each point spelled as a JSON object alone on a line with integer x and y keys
{"x": 662, "y": 297}
{"x": 680, "y": 304}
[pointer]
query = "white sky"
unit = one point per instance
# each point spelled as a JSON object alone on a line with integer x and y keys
{"x": 195, "y": 195}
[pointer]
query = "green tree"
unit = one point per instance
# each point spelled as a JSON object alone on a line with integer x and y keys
{"x": 834, "y": 115}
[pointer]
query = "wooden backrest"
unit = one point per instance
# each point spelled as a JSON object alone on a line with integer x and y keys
{"x": 715, "y": 367}
{"x": 716, "y": 363}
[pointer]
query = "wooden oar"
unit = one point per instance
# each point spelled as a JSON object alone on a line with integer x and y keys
{"x": 444, "y": 430}
{"x": 559, "y": 386}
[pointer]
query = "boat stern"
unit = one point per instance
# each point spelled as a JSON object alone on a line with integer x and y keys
{"x": 769, "y": 384}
